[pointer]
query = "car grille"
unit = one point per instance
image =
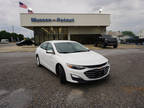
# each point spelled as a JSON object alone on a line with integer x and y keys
{"x": 97, "y": 73}
{"x": 112, "y": 41}
{"x": 95, "y": 66}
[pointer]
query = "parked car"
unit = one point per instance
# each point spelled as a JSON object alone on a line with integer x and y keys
{"x": 24, "y": 42}
{"x": 72, "y": 62}
{"x": 106, "y": 40}
{"x": 4, "y": 41}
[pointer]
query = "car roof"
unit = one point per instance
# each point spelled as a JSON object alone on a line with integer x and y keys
{"x": 60, "y": 41}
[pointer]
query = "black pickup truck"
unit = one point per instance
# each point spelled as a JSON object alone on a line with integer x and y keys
{"x": 106, "y": 40}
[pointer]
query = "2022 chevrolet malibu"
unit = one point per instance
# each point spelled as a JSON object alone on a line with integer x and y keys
{"x": 71, "y": 61}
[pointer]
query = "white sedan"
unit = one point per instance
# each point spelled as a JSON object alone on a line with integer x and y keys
{"x": 71, "y": 61}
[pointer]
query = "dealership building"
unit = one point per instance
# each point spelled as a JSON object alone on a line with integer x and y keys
{"x": 83, "y": 28}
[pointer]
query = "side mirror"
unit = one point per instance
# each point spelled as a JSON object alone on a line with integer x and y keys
{"x": 50, "y": 51}
{"x": 87, "y": 48}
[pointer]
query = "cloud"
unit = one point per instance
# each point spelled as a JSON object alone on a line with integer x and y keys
{"x": 125, "y": 14}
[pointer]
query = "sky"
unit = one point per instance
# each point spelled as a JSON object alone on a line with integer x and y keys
{"x": 125, "y": 14}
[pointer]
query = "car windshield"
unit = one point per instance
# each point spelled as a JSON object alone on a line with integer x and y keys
{"x": 22, "y": 41}
{"x": 107, "y": 36}
{"x": 70, "y": 47}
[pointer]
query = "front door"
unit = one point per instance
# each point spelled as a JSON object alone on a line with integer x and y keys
{"x": 49, "y": 58}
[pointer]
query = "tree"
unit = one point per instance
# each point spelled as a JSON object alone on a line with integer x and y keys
{"x": 11, "y": 36}
{"x": 21, "y": 37}
{"x": 128, "y": 33}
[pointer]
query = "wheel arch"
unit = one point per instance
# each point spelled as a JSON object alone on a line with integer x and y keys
{"x": 56, "y": 68}
{"x": 36, "y": 55}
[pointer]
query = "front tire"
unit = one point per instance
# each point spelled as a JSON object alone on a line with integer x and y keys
{"x": 95, "y": 45}
{"x": 61, "y": 74}
{"x": 38, "y": 61}
{"x": 103, "y": 45}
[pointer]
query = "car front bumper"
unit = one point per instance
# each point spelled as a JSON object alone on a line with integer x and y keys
{"x": 80, "y": 76}
{"x": 111, "y": 43}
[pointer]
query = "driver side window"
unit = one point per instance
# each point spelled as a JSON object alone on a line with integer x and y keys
{"x": 44, "y": 46}
{"x": 50, "y": 47}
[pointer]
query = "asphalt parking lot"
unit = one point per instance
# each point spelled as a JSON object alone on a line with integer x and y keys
{"x": 24, "y": 85}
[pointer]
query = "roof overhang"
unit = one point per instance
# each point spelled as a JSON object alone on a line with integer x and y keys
{"x": 63, "y": 19}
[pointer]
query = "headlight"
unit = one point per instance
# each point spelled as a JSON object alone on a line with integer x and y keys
{"x": 75, "y": 67}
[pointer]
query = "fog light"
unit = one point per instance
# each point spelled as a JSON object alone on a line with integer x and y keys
{"x": 75, "y": 76}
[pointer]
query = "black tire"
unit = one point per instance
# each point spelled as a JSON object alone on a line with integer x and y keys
{"x": 38, "y": 61}
{"x": 61, "y": 74}
{"x": 115, "y": 46}
{"x": 103, "y": 45}
{"x": 95, "y": 45}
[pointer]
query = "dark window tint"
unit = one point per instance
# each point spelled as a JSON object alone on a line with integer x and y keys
{"x": 50, "y": 47}
{"x": 107, "y": 36}
{"x": 70, "y": 47}
{"x": 44, "y": 46}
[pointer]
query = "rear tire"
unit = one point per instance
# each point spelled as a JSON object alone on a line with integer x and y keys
{"x": 115, "y": 46}
{"x": 95, "y": 44}
{"x": 38, "y": 61}
{"x": 61, "y": 74}
{"x": 103, "y": 45}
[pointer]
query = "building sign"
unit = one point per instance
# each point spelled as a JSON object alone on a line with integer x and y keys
{"x": 52, "y": 20}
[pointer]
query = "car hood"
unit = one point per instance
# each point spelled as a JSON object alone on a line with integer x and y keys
{"x": 83, "y": 58}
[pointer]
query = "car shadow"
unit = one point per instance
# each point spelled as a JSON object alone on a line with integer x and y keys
{"x": 108, "y": 47}
{"x": 48, "y": 71}
{"x": 89, "y": 83}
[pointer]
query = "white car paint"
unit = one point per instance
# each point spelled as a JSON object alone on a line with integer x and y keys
{"x": 89, "y": 58}
{"x": 84, "y": 58}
